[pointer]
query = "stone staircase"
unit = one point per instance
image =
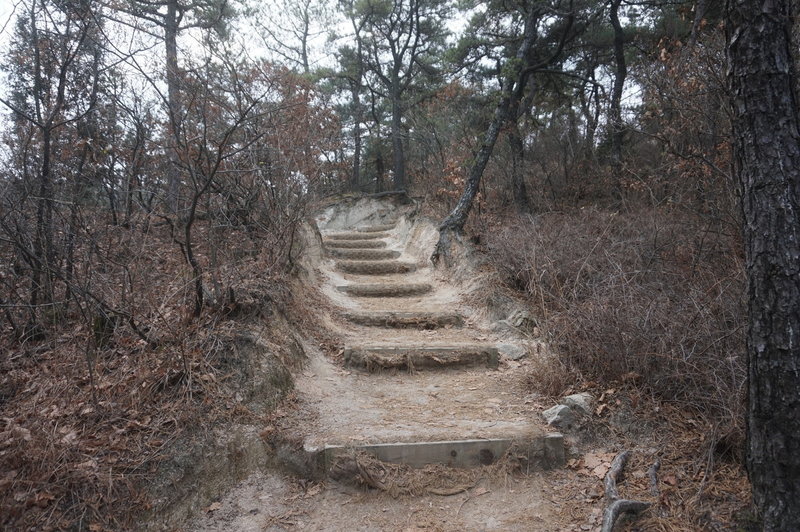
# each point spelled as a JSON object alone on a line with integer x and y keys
{"x": 419, "y": 383}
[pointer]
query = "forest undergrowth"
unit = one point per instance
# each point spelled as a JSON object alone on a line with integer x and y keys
{"x": 89, "y": 410}
{"x": 645, "y": 310}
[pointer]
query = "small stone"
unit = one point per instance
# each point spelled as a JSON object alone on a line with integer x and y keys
{"x": 579, "y": 401}
{"x": 560, "y": 416}
{"x": 511, "y": 351}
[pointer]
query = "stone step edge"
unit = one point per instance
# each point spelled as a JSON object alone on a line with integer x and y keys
{"x": 355, "y": 235}
{"x": 416, "y": 356}
{"x": 405, "y": 320}
{"x": 363, "y": 254}
{"x": 375, "y": 267}
{"x": 542, "y": 452}
{"x": 355, "y": 244}
{"x": 385, "y": 290}
{"x": 379, "y": 228}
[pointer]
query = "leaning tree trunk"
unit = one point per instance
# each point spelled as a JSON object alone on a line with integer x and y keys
{"x": 513, "y": 80}
{"x": 767, "y": 155}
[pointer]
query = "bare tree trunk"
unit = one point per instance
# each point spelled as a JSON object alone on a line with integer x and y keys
{"x": 615, "y": 107}
{"x": 173, "y": 102}
{"x": 767, "y": 156}
{"x": 398, "y": 153}
{"x": 355, "y": 178}
{"x": 519, "y": 190}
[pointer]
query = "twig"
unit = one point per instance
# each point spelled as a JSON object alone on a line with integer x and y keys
{"x": 653, "y": 474}
{"x": 469, "y": 498}
{"x": 618, "y": 506}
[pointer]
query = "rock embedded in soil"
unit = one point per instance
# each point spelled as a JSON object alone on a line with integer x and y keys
{"x": 580, "y": 402}
{"x": 560, "y": 416}
{"x": 513, "y": 352}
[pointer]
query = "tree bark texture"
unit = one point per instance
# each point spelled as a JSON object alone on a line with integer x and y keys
{"x": 398, "y": 152}
{"x": 355, "y": 179}
{"x": 767, "y": 157}
{"x": 173, "y": 101}
{"x": 615, "y": 107}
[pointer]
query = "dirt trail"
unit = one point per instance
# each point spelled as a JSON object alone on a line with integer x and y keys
{"x": 429, "y": 381}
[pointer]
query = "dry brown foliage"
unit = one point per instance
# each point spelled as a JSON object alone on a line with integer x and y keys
{"x": 87, "y": 415}
{"x": 651, "y": 297}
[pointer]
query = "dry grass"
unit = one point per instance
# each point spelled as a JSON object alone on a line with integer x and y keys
{"x": 652, "y": 297}
{"x": 646, "y": 310}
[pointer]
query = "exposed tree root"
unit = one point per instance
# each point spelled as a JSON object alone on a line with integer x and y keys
{"x": 618, "y": 506}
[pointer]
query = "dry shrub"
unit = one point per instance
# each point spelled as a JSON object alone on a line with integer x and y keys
{"x": 86, "y": 420}
{"x": 654, "y": 296}
{"x": 550, "y": 376}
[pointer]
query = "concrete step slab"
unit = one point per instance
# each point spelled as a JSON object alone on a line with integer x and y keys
{"x": 374, "y": 358}
{"x": 356, "y": 235}
{"x": 540, "y": 451}
{"x": 406, "y": 320}
{"x": 363, "y": 254}
{"x": 372, "y": 267}
{"x": 385, "y": 289}
{"x": 355, "y": 244}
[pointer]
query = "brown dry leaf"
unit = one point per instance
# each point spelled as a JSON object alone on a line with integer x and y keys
{"x": 596, "y": 464}
{"x": 480, "y": 490}
{"x": 213, "y": 507}
{"x": 70, "y": 437}
{"x": 313, "y": 490}
{"x": 671, "y": 480}
{"x": 592, "y": 460}
{"x": 601, "y": 470}
{"x": 43, "y": 499}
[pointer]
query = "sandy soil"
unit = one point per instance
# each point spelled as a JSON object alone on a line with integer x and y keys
{"x": 337, "y": 405}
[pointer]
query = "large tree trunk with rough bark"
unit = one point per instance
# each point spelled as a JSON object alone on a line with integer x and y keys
{"x": 767, "y": 155}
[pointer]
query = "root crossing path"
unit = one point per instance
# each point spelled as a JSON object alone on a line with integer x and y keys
{"x": 421, "y": 422}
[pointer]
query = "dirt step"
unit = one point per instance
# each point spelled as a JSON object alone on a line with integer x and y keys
{"x": 355, "y": 244}
{"x": 356, "y": 235}
{"x": 412, "y": 357}
{"x": 401, "y": 320}
{"x": 371, "y": 267}
{"x": 386, "y": 289}
{"x": 363, "y": 254}
{"x": 540, "y": 451}
{"x": 376, "y": 228}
